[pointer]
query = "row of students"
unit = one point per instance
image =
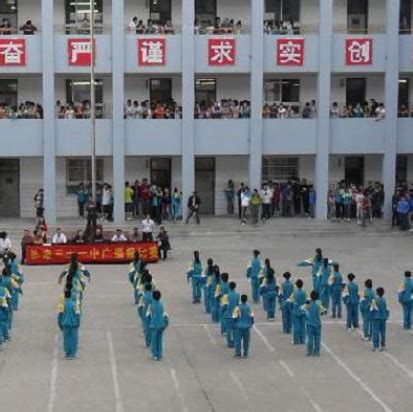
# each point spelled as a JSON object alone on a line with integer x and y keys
{"x": 71, "y": 303}
{"x": 11, "y": 281}
{"x": 223, "y": 302}
{"x": 150, "y": 308}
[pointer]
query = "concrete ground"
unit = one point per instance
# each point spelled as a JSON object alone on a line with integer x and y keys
{"x": 114, "y": 371}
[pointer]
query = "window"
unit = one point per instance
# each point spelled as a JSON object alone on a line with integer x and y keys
{"x": 205, "y": 12}
{"x": 160, "y": 11}
{"x": 78, "y": 91}
{"x": 205, "y": 90}
{"x": 80, "y": 171}
{"x": 280, "y": 169}
{"x": 405, "y": 16}
{"x": 282, "y": 90}
{"x": 283, "y": 11}
{"x": 404, "y": 93}
{"x": 8, "y": 92}
{"x": 357, "y": 12}
{"x": 8, "y": 10}
{"x": 355, "y": 90}
{"x": 78, "y": 16}
{"x": 401, "y": 169}
{"x": 161, "y": 90}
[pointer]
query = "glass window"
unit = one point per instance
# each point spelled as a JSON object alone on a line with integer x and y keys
{"x": 405, "y": 16}
{"x": 357, "y": 16}
{"x": 280, "y": 169}
{"x": 160, "y": 11}
{"x": 80, "y": 171}
{"x": 78, "y": 16}
{"x": 401, "y": 169}
{"x": 161, "y": 90}
{"x": 280, "y": 11}
{"x": 205, "y": 12}
{"x": 205, "y": 90}
{"x": 282, "y": 90}
{"x": 8, "y": 10}
{"x": 404, "y": 92}
{"x": 8, "y": 92}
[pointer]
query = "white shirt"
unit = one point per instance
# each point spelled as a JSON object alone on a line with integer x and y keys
{"x": 120, "y": 238}
{"x": 59, "y": 239}
{"x": 5, "y": 244}
{"x": 245, "y": 200}
{"x": 359, "y": 198}
{"x": 132, "y": 27}
{"x": 106, "y": 197}
{"x": 147, "y": 225}
{"x": 266, "y": 196}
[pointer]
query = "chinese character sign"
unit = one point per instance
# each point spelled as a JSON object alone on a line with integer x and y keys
{"x": 12, "y": 52}
{"x": 80, "y": 52}
{"x": 290, "y": 52}
{"x": 151, "y": 52}
{"x": 221, "y": 52}
{"x": 359, "y": 51}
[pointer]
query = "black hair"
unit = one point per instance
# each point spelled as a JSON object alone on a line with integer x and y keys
{"x": 286, "y": 275}
{"x": 136, "y": 257}
{"x": 148, "y": 278}
{"x": 319, "y": 253}
{"x": 336, "y": 267}
{"x": 368, "y": 283}
{"x": 225, "y": 277}
{"x": 325, "y": 261}
{"x": 351, "y": 277}
{"x": 210, "y": 261}
{"x": 408, "y": 274}
{"x": 232, "y": 285}
{"x": 68, "y": 293}
{"x": 196, "y": 256}
{"x": 380, "y": 291}
{"x": 256, "y": 252}
{"x": 299, "y": 283}
{"x": 156, "y": 295}
{"x": 148, "y": 287}
{"x": 314, "y": 295}
{"x": 73, "y": 269}
{"x": 244, "y": 298}
{"x": 267, "y": 262}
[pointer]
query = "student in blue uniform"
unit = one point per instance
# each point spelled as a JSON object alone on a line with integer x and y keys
{"x": 287, "y": 288}
{"x": 206, "y": 283}
{"x": 243, "y": 320}
{"x": 222, "y": 295}
{"x": 379, "y": 315}
{"x": 144, "y": 302}
{"x": 336, "y": 290}
{"x": 325, "y": 273}
{"x": 365, "y": 304}
{"x": 315, "y": 263}
{"x": 158, "y": 322}
{"x": 298, "y": 299}
{"x": 232, "y": 303}
{"x": 253, "y": 273}
{"x": 351, "y": 299}
{"x": 313, "y": 309}
{"x": 269, "y": 293}
{"x": 135, "y": 268}
{"x": 7, "y": 281}
{"x": 5, "y": 302}
{"x": 69, "y": 322}
{"x": 214, "y": 299}
{"x": 194, "y": 275}
{"x": 17, "y": 275}
{"x": 266, "y": 270}
{"x": 405, "y": 299}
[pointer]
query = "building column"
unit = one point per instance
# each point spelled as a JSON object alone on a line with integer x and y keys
{"x": 256, "y": 94}
{"x": 188, "y": 102}
{"x": 49, "y": 121}
{"x": 118, "y": 123}
{"x": 323, "y": 103}
{"x": 391, "y": 102}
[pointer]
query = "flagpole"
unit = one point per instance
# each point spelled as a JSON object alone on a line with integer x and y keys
{"x": 93, "y": 98}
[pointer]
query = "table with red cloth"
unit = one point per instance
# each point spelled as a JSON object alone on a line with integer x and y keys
{"x": 121, "y": 252}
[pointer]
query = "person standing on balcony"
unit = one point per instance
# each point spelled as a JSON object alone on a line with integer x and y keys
{"x": 133, "y": 25}
{"x": 28, "y": 28}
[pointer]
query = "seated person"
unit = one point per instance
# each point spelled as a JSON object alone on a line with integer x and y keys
{"x": 79, "y": 237}
{"x": 99, "y": 235}
{"x": 38, "y": 238}
{"x": 136, "y": 236}
{"x": 27, "y": 239}
{"x": 119, "y": 236}
{"x": 59, "y": 237}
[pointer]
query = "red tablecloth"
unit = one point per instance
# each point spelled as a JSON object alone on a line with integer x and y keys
{"x": 91, "y": 253}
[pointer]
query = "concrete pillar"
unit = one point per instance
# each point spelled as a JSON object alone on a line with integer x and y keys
{"x": 188, "y": 101}
{"x": 323, "y": 103}
{"x": 256, "y": 93}
{"x": 118, "y": 124}
{"x": 49, "y": 122}
{"x": 391, "y": 103}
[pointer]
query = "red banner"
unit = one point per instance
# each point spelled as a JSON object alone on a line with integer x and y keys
{"x": 91, "y": 253}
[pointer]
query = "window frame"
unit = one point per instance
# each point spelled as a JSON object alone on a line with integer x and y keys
{"x": 72, "y": 185}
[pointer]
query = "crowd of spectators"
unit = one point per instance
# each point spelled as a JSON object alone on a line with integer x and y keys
{"x": 152, "y": 110}
{"x": 405, "y": 111}
{"x": 279, "y": 27}
{"x": 77, "y": 110}
{"x": 279, "y": 110}
{"x": 7, "y": 29}
{"x": 137, "y": 26}
{"x": 26, "y": 110}
{"x": 224, "y": 26}
{"x": 371, "y": 109}
{"x": 224, "y": 109}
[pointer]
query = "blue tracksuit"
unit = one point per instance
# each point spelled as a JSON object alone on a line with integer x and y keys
{"x": 69, "y": 321}
{"x": 405, "y": 299}
{"x": 243, "y": 322}
{"x": 233, "y": 301}
{"x": 194, "y": 274}
{"x": 158, "y": 322}
{"x": 315, "y": 264}
{"x": 324, "y": 286}
{"x": 269, "y": 295}
{"x": 206, "y": 286}
{"x": 365, "y": 305}
{"x": 379, "y": 315}
{"x": 144, "y": 302}
{"x": 253, "y": 273}
{"x": 298, "y": 299}
{"x": 4, "y": 314}
{"x": 336, "y": 290}
{"x": 19, "y": 277}
{"x": 12, "y": 286}
{"x": 287, "y": 288}
{"x": 313, "y": 327}
{"x": 223, "y": 303}
{"x": 264, "y": 300}
{"x": 351, "y": 299}
{"x": 214, "y": 299}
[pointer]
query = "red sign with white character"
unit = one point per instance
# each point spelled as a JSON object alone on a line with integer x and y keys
{"x": 290, "y": 52}
{"x": 221, "y": 52}
{"x": 12, "y": 52}
{"x": 151, "y": 52}
{"x": 80, "y": 52}
{"x": 359, "y": 52}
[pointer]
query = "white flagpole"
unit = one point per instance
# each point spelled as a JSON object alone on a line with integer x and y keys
{"x": 93, "y": 98}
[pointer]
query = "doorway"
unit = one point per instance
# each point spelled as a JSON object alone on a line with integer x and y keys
{"x": 354, "y": 170}
{"x": 205, "y": 183}
{"x": 10, "y": 188}
{"x": 161, "y": 90}
{"x": 161, "y": 172}
{"x": 355, "y": 91}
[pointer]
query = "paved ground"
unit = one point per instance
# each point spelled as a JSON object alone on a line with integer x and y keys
{"x": 114, "y": 371}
